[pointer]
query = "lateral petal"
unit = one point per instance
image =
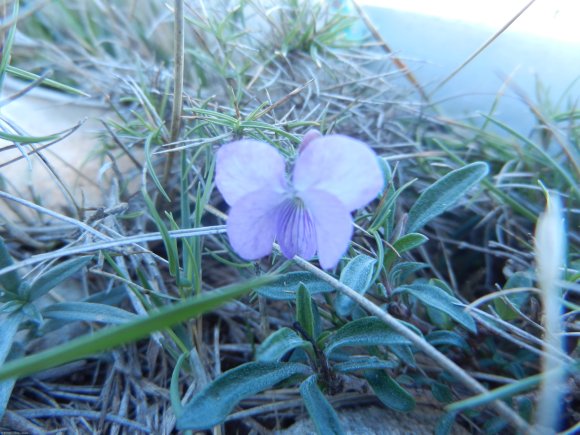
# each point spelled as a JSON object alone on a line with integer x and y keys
{"x": 333, "y": 224}
{"x": 247, "y": 166}
{"x": 252, "y": 223}
{"x": 342, "y": 166}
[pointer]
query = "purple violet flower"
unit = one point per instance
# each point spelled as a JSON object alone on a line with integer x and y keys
{"x": 333, "y": 175}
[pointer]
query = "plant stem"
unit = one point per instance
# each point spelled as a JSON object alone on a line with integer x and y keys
{"x": 178, "y": 49}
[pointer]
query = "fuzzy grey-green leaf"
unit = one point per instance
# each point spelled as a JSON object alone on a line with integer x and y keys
{"x": 286, "y": 286}
{"x": 448, "y": 338}
{"x": 9, "y": 281}
{"x": 357, "y": 275}
{"x": 50, "y": 279}
{"x": 357, "y": 363}
{"x": 389, "y": 391}
{"x": 444, "y": 193}
{"x": 402, "y": 245}
{"x": 9, "y": 326}
{"x": 87, "y": 312}
{"x": 437, "y": 298}
{"x": 212, "y": 405}
{"x": 321, "y": 412}
{"x": 368, "y": 331}
{"x": 305, "y": 312}
{"x": 278, "y": 344}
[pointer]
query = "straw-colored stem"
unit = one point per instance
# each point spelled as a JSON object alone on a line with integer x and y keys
{"x": 179, "y": 43}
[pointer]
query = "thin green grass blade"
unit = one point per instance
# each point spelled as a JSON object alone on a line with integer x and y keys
{"x": 28, "y": 139}
{"x": 7, "y": 43}
{"x": 547, "y": 158}
{"x": 22, "y": 74}
{"x": 169, "y": 242}
{"x": 151, "y": 166}
{"x": 499, "y": 393}
{"x": 109, "y": 338}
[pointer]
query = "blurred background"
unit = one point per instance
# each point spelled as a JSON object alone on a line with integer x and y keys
{"x": 537, "y": 58}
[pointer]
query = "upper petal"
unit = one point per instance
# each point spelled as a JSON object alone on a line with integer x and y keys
{"x": 309, "y": 137}
{"x": 246, "y": 166}
{"x": 333, "y": 224}
{"x": 342, "y": 166}
{"x": 252, "y": 223}
{"x": 295, "y": 232}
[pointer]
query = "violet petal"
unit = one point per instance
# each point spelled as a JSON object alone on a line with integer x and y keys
{"x": 252, "y": 223}
{"x": 246, "y": 166}
{"x": 342, "y": 166}
{"x": 295, "y": 229}
{"x": 333, "y": 224}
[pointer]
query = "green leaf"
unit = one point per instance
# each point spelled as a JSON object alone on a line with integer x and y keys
{"x": 402, "y": 245}
{"x": 174, "y": 385}
{"x": 525, "y": 408}
{"x": 53, "y": 277}
{"x": 368, "y": 331}
{"x": 305, "y": 312}
{"x": 358, "y": 363}
{"x": 10, "y": 281}
{"x": 509, "y": 306}
{"x": 444, "y": 193}
{"x": 5, "y": 393}
{"x": 278, "y": 344}
{"x": 401, "y": 271}
{"x": 286, "y": 286}
{"x": 386, "y": 212}
{"x": 436, "y": 317}
{"x": 87, "y": 312}
{"x": 445, "y": 424}
{"x": 404, "y": 353}
{"x": 357, "y": 275}
{"x": 441, "y": 392}
{"x": 320, "y": 410}
{"x": 434, "y": 297}
{"x": 448, "y": 338}
{"x": 389, "y": 392}
{"x": 212, "y": 405}
{"x": 113, "y": 336}
{"x": 9, "y": 327}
